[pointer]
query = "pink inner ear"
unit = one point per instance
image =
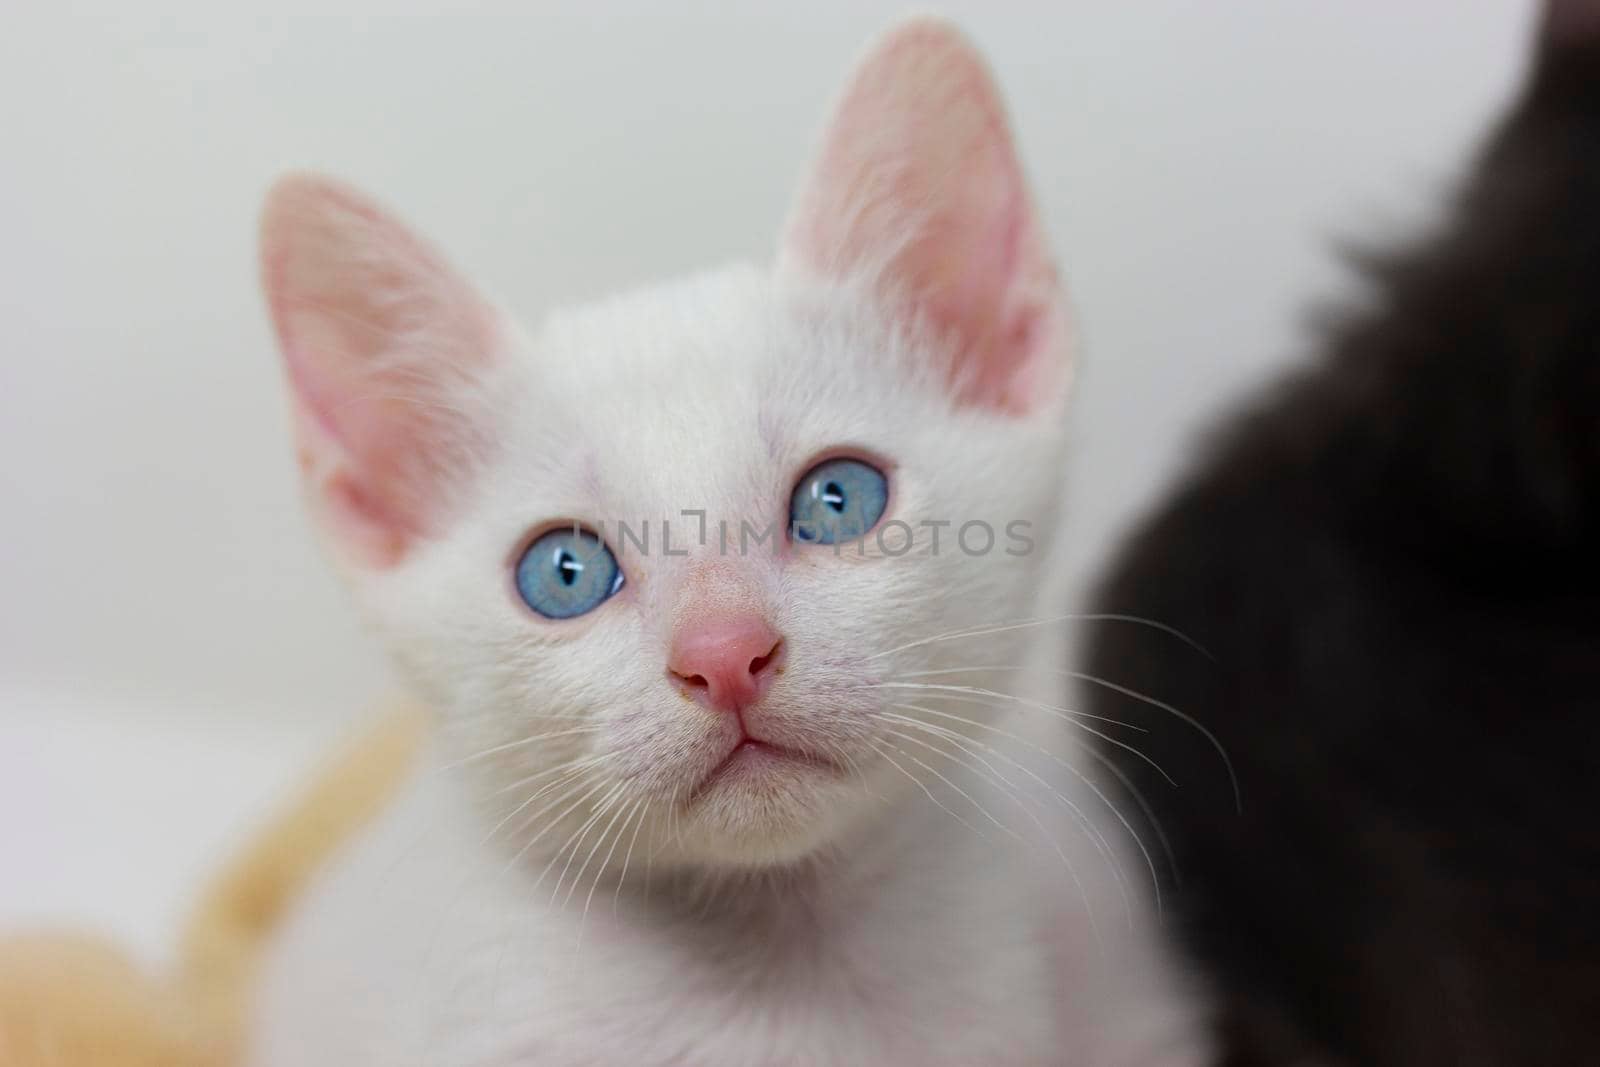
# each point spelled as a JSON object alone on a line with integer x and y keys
{"x": 918, "y": 185}
{"x": 380, "y": 341}
{"x": 992, "y": 288}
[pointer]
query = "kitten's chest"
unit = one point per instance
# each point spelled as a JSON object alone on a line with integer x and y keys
{"x": 421, "y": 948}
{"x": 830, "y": 1000}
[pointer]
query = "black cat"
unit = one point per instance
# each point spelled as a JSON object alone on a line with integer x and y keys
{"x": 1393, "y": 560}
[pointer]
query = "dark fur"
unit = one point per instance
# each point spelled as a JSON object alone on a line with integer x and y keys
{"x": 1394, "y": 559}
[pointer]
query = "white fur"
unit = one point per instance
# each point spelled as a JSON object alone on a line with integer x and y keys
{"x": 902, "y": 936}
{"x": 558, "y": 885}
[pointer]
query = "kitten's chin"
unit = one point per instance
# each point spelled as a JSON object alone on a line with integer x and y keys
{"x": 764, "y": 809}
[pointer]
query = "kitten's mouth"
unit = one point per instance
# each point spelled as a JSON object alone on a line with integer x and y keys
{"x": 752, "y": 760}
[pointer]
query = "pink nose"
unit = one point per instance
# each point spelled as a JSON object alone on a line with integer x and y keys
{"x": 726, "y": 664}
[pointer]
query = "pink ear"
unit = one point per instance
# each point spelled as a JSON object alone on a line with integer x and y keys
{"x": 383, "y": 345}
{"x": 918, "y": 187}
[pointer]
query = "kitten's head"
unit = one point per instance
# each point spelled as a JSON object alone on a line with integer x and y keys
{"x": 617, "y": 554}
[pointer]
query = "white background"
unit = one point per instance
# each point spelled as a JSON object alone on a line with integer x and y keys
{"x": 172, "y": 650}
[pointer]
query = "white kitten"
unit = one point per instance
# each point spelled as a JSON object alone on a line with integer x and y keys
{"x": 698, "y": 796}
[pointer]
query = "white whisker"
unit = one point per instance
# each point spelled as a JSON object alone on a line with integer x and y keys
{"x": 577, "y": 761}
{"x": 1052, "y": 620}
{"x": 571, "y": 769}
{"x": 627, "y": 858}
{"x": 985, "y": 697}
{"x": 583, "y": 921}
{"x": 1127, "y": 691}
{"x": 1067, "y": 714}
{"x": 575, "y": 842}
{"x": 555, "y": 821}
{"x": 1086, "y": 824}
{"x": 486, "y": 753}
{"x": 964, "y": 794}
{"x": 1013, "y": 793}
{"x": 1076, "y": 773}
{"x": 920, "y": 784}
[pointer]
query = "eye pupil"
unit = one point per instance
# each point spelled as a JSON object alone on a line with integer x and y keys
{"x": 833, "y": 496}
{"x": 568, "y": 568}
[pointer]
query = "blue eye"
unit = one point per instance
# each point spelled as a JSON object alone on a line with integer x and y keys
{"x": 837, "y": 500}
{"x": 566, "y": 573}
